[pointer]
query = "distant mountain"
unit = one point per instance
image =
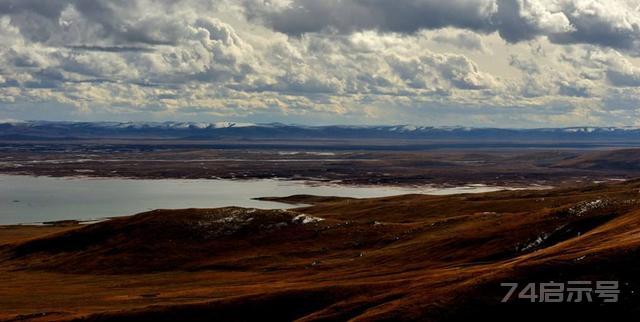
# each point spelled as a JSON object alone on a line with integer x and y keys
{"x": 30, "y": 130}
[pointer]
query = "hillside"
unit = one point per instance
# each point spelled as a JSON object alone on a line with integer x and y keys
{"x": 413, "y": 257}
{"x": 616, "y": 160}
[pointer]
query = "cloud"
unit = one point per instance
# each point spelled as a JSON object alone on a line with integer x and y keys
{"x": 406, "y": 16}
{"x": 462, "y": 39}
{"x": 428, "y": 69}
{"x": 579, "y": 88}
{"x": 407, "y": 61}
{"x": 595, "y": 64}
{"x": 111, "y": 49}
{"x": 613, "y": 24}
{"x": 624, "y": 76}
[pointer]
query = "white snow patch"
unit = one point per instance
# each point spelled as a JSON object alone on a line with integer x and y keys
{"x": 222, "y": 125}
{"x": 582, "y": 208}
{"x": 306, "y": 219}
{"x": 536, "y": 242}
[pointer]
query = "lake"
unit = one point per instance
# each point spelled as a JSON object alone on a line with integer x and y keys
{"x": 28, "y": 199}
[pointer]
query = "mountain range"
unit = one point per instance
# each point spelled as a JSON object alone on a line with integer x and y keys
{"x": 24, "y": 130}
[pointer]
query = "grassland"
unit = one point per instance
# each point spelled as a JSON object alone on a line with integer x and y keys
{"x": 413, "y": 257}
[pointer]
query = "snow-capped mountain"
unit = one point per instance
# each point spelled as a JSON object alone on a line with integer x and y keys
{"x": 17, "y": 130}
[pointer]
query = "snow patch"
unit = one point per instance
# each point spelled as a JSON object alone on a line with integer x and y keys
{"x": 306, "y": 219}
{"x": 536, "y": 242}
{"x": 584, "y": 207}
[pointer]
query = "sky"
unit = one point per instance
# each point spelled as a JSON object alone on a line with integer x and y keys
{"x": 483, "y": 63}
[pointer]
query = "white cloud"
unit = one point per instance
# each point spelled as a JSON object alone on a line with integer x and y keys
{"x": 320, "y": 61}
{"x": 462, "y": 39}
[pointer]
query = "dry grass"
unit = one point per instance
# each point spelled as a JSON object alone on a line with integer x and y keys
{"x": 401, "y": 258}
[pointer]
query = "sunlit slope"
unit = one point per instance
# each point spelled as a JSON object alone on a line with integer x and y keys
{"x": 411, "y": 257}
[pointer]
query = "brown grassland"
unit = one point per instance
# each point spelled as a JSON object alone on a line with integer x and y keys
{"x": 412, "y": 257}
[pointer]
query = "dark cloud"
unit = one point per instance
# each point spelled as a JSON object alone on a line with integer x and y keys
{"x": 117, "y": 22}
{"x": 622, "y": 78}
{"x": 354, "y": 15}
{"x": 36, "y": 19}
{"x": 612, "y": 24}
{"x": 604, "y": 23}
{"x": 111, "y": 49}
{"x": 509, "y": 23}
{"x": 607, "y": 23}
{"x": 49, "y": 8}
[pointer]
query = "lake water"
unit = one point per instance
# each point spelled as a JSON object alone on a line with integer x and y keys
{"x": 27, "y": 199}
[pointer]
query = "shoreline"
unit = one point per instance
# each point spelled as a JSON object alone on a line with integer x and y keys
{"x": 264, "y": 197}
{"x": 309, "y": 181}
{"x": 197, "y": 262}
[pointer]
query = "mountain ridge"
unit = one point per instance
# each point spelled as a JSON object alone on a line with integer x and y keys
{"x": 18, "y": 130}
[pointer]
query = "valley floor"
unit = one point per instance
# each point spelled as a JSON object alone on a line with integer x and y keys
{"x": 355, "y": 165}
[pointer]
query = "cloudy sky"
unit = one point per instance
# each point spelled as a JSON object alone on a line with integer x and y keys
{"x": 499, "y": 63}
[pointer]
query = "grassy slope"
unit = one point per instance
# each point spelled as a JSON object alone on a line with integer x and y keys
{"x": 411, "y": 257}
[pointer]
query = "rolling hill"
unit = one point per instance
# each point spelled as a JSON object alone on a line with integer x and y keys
{"x": 404, "y": 258}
